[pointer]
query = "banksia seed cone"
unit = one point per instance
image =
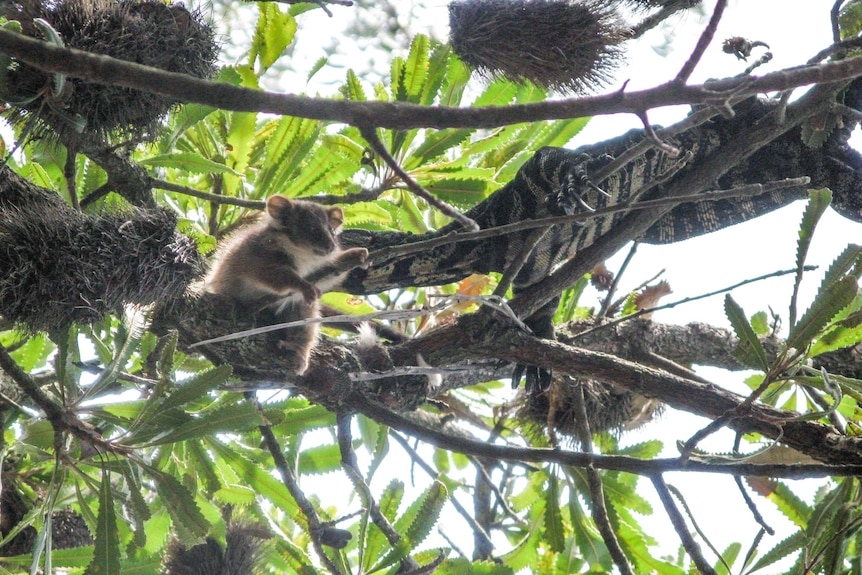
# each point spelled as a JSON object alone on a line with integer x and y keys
{"x": 561, "y": 44}
{"x": 148, "y": 32}
{"x": 59, "y": 266}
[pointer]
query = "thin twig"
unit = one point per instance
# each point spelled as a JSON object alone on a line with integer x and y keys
{"x": 388, "y": 253}
{"x": 752, "y": 506}
{"x": 218, "y": 198}
{"x": 833, "y": 17}
{"x": 500, "y": 498}
{"x": 452, "y": 544}
{"x": 471, "y": 521}
{"x": 676, "y": 493}
{"x": 594, "y": 480}
{"x": 350, "y": 467}
{"x": 494, "y": 302}
{"x": 516, "y": 264}
{"x": 702, "y": 43}
{"x": 60, "y": 419}
{"x": 410, "y": 370}
{"x": 69, "y": 172}
{"x": 654, "y": 20}
{"x": 606, "y": 304}
{"x": 650, "y": 134}
{"x": 364, "y": 195}
{"x": 315, "y": 525}
{"x": 676, "y": 518}
{"x": 764, "y": 59}
{"x": 634, "y": 465}
{"x": 370, "y": 135}
{"x": 392, "y": 315}
{"x": 836, "y": 48}
{"x": 643, "y": 146}
{"x": 688, "y": 300}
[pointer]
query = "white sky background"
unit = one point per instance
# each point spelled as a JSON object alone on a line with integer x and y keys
{"x": 795, "y": 30}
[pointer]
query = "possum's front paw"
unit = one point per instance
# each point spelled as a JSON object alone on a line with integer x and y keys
{"x": 356, "y": 257}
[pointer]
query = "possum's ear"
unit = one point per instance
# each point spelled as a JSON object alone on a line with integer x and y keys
{"x": 276, "y": 206}
{"x": 336, "y": 217}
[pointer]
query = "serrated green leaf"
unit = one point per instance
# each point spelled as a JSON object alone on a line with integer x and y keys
{"x": 416, "y": 69}
{"x": 230, "y": 418}
{"x": 317, "y": 67}
{"x": 240, "y": 141}
{"x": 790, "y": 505}
{"x": 320, "y": 459}
{"x": 353, "y": 89}
{"x": 498, "y": 93}
{"x": 365, "y": 212}
{"x": 826, "y": 306}
{"x": 463, "y": 566}
{"x": 435, "y": 145}
{"x": 188, "y": 162}
{"x": 331, "y": 164}
{"x": 196, "y": 386}
{"x": 287, "y": 146}
{"x": 818, "y": 201}
{"x": 525, "y": 553}
{"x": 188, "y": 521}
{"x": 555, "y": 535}
{"x": 460, "y": 192}
{"x": 273, "y": 34}
{"x": 236, "y": 495}
{"x": 135, "y": 321}
{"x": 844, "y": 333}
{"x": 749, "y": 351}
{"x": 416, "y": 523}
{"x": 106, "y": 554}
{"x": 303, "y": 419}
{"x": 760, "y": 323}
{"x": 34, "y": 353}
{"x": 374, "y": 539}
{"x": 139, "y": 510}
{"x": 256, "y": 477}
{"x": 438, "y": 67}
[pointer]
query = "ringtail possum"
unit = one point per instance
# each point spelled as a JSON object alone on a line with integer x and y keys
{"x": 280, "y": 264}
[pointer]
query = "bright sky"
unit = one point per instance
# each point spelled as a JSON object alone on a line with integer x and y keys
{"x": 794, "y": 30}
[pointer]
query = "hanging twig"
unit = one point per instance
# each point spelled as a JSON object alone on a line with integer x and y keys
{"x": 350, "y": 467}
{"x": 670, "y": 305}
{"x": 471, "y": 521}
{"x": 702, "y": 43}
{"x": 606, "y": 304}
{"x": 218, "y": 198}
{"x": 370, "y": 135}
{"x": 315, "y": 525}
{"x": 676, "y": 493}
{"x": 515, "y": 266}
{"x": 676, "y": 518}
{"x": 594, "y": 479}
{"x": 387, "y": 253}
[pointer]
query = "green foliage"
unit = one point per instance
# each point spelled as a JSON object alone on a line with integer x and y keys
{"x": 188, "y": 448}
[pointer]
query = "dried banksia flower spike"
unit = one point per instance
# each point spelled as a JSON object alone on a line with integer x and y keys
{"x": 566, "y": 45}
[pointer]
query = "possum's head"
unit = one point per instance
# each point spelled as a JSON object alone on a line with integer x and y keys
{"x": 306, "y": 224}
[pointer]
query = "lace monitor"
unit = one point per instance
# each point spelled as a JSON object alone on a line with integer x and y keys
{"x": 552, "y": 182}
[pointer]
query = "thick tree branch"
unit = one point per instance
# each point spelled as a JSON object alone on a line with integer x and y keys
{"x": 627, "y": 464}
{"x": 97, "y": 68}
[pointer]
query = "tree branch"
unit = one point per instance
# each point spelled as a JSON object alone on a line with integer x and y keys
{"x": 103, "y": 69}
